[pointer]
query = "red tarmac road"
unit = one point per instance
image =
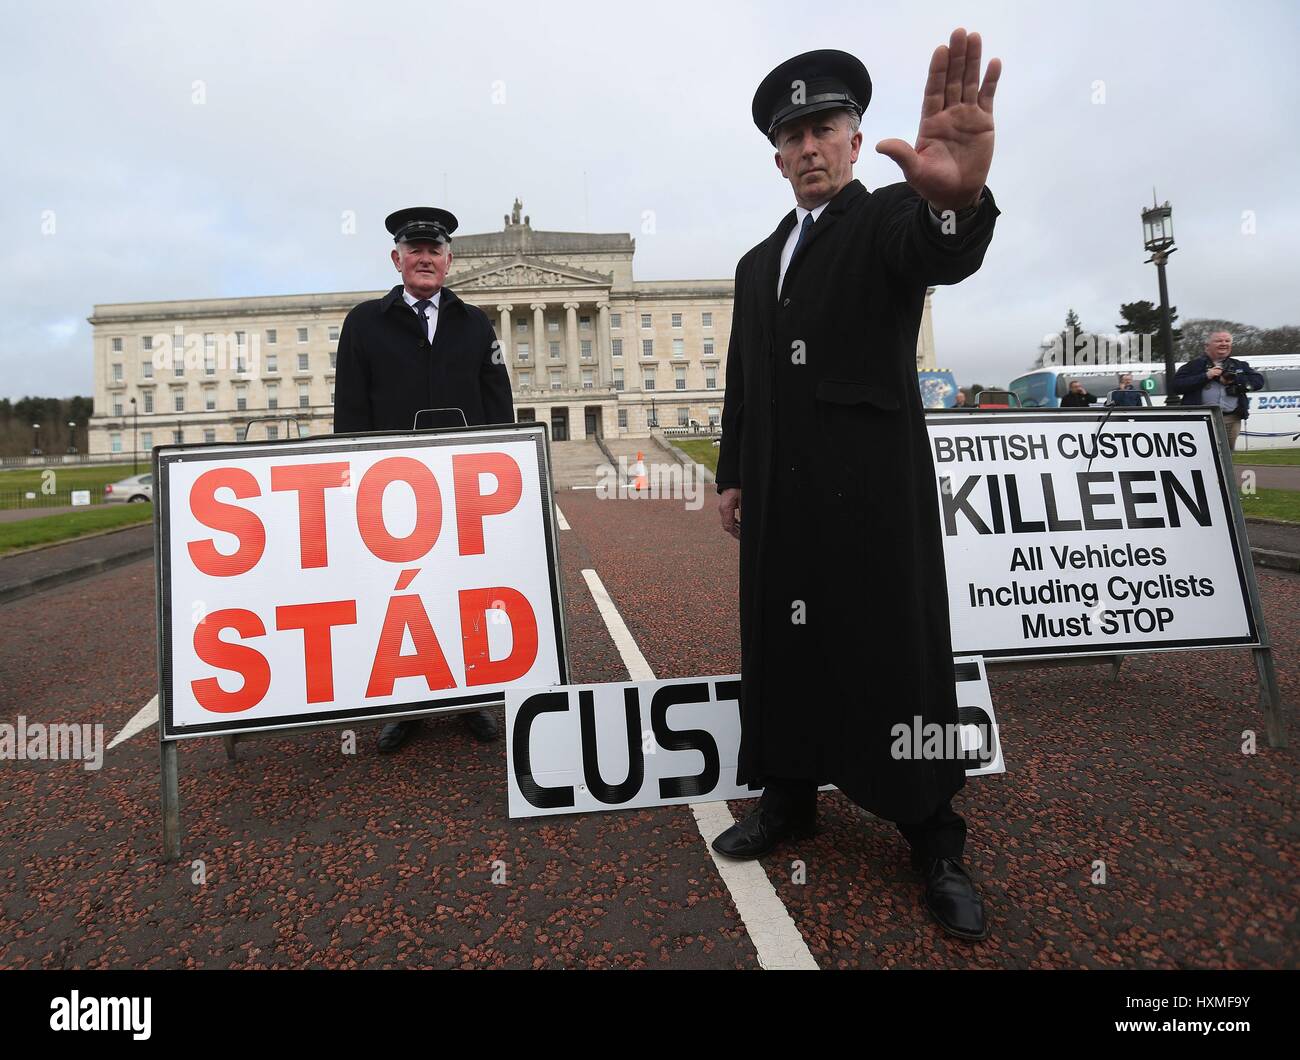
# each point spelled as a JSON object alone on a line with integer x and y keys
{"x": 315, "y": 858}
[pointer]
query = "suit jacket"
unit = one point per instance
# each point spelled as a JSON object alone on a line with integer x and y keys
{"x": 843, "y": 598}
{"x": 387, "y": 371}
{"x": 1190, "y": 380}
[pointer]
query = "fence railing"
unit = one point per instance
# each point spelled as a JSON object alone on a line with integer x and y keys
{"x": 13, "y": 499}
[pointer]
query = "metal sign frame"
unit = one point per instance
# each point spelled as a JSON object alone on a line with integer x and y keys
{"x": 1257, "y": 642}
{"x": 169, "y": 737}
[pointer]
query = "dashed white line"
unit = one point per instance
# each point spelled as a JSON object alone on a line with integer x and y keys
{"x": 559, "y": 518}
{"x": 145, "y": 716}
{"x": 766, "y": 919}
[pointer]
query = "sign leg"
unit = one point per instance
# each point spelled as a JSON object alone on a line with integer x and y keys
{"x": 1270, "y": 696}
{"x": 1115, "y": 663}
{"x": 171, "y": 802}
{"x": 229, "y": 741}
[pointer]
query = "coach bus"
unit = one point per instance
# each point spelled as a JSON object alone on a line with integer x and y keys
{"x": 1274, "y": 411}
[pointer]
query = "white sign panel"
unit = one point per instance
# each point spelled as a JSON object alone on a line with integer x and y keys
{"x": 354, "y": 577}
{"x": 1090, "y": 532}
{"x": 80, "y": 497}
{"x": 629, "y": 745}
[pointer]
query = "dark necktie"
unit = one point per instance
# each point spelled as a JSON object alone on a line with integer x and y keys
{"x": 420, "y": 307}
{"x": 805, "y": 231}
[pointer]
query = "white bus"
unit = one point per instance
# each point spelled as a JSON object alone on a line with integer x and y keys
{"x": 1274, "y": 421}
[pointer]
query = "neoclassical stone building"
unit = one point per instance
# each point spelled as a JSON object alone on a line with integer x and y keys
{"x": 590, "y": 349}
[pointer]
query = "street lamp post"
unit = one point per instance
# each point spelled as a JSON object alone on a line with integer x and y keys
{"x": 1158, "y": 237}
{"x": 36, "y": 439}
{"x": 135, "y": 437}
{"x": 72, "y": 436}
{"x": 654, "y": 415}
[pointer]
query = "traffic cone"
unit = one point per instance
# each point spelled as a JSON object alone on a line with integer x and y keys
{"x": 638, "y": 473}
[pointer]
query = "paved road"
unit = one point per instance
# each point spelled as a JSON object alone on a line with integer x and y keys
{"x": 320, "y": 859}
{"x": 1269, "y": 477}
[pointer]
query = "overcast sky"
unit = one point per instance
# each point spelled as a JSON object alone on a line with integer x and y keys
{"x": 595, "y": 114}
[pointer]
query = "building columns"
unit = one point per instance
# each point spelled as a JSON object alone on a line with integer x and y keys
{"x": 503, "y": 336}
{"x": 571, "y": 343}
{"x": 604, "y": 377}
{"x": 542, "y": 353}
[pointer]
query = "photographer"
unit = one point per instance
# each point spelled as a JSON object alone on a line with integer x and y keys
{"x": 1217, "y": 379}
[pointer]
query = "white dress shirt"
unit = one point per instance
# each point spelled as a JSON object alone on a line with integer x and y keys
{"x": 788, "y": 252}
{"x": 431, "y": 312}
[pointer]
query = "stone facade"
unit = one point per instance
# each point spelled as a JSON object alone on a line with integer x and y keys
{"x": 590, "y": 349}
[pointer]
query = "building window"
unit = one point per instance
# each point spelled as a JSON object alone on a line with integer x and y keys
{"x": 334, "y": 333}
{"x": 178, "y": 366}
{"x": 272, "y": 396}
{"x": 115, "y": 443}
{"x": 148, "y": 401}
{"x": 708, "y": 347}
{"x": 117, "y": 345}
{"x": 586, "y": 379}
{"x": 522, "y": 351}
{"x": 272, "y": 432}
{"x": 241, "y": 398}
{"x": 645, "y": 320}
{"x": 241, "y": 339}
{"x": 270, "y": 336}
{"x": 302, "y": 334}
{"x": 209, "y": 436}
{"x": 618, "y": 378}
{"x": 706, "y": 320}
{"x": 334, "y": 359}
{"x": 209, "y": 340}
{"x": 117, "y": 405}
{"x": 647, "y": 380}
{"x": 117, "y": 373}
{"x": 209, "y": 363}
{"x": 521, "y": 325}
{"x": 555, "y": 351}
{"x": 272, "y": 363}
{"x": 556, "y": 381}
{"x": 553, "y": 325}
{"x": 683, "y": 417}
{"x": 679, "y": 347}
{"x": 241, "y": 364}
{"x": 304, "y": 396}
{"x": 710, "y": 380}
{"x": 210, "y": 399}
{"x": 677, "y": 320}
{"x": 647, "y": 347}
{"x": 178, "y": 437}
{"x": 714, "y": 415}
{"x": 302, "y": 362}
{"x": 622, "y": 417}
{"x": 146, "y": 441}
{"x": 679, "y": 377}
{"x": 615, "y": 320}
{"x": 146, "y": 343}
{"x": 146, "y": 369}
{"x": 525, "y": 380}
{"x": 584, "y": 349}
{"x": 584, "y": 322}
{"x": 178, "y": 400}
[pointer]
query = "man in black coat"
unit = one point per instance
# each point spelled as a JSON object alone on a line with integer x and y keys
{"x": 420, "y": 347}
{"x": 1220, "y": 380}
{"x": 843, "y": 598}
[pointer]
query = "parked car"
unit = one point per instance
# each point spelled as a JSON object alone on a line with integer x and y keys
{"x": 135, "y": 488}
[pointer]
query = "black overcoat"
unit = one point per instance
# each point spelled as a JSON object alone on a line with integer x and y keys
{"x": 843, "y": 600}
{"x": 386, "y": 371}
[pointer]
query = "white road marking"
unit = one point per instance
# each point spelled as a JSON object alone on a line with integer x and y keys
{"x": 766, "y": 919}
{"x": 145, "y": 716}
{"x": 559, "y": 518}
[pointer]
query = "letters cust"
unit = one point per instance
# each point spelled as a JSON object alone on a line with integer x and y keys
{"x": 213, "y": 502}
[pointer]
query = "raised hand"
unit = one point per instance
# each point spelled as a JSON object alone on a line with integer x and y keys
{"x": 954, "y": 145}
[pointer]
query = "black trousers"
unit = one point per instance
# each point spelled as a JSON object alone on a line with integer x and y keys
{"x": 941, "y": 835}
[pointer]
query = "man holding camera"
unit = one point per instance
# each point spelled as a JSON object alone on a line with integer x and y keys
{"x": 1219, "y": 380}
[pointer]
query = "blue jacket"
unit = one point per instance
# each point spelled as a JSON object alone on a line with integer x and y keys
{"x": 1189, "y": 381}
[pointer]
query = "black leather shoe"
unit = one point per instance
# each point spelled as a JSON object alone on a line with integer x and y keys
{"x": 951, "y": 898}
{"x": 483, "y": 724}
{"x": 761, "y": 832}
{"x": 394, "y": 734}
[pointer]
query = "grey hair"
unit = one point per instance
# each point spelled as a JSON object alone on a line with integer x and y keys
{"x": 855, "y": 122}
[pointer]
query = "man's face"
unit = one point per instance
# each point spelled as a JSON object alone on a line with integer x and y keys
{"x": 1219, "y": 346}
{"x": 423, "y": 265}
{"x": 816, "y": 153}
{"x": 1126, "y": 381}
{"x": 1076, "y": 387}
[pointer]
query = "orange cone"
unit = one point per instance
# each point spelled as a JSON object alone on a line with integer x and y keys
{"x": 638, "y": 472}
